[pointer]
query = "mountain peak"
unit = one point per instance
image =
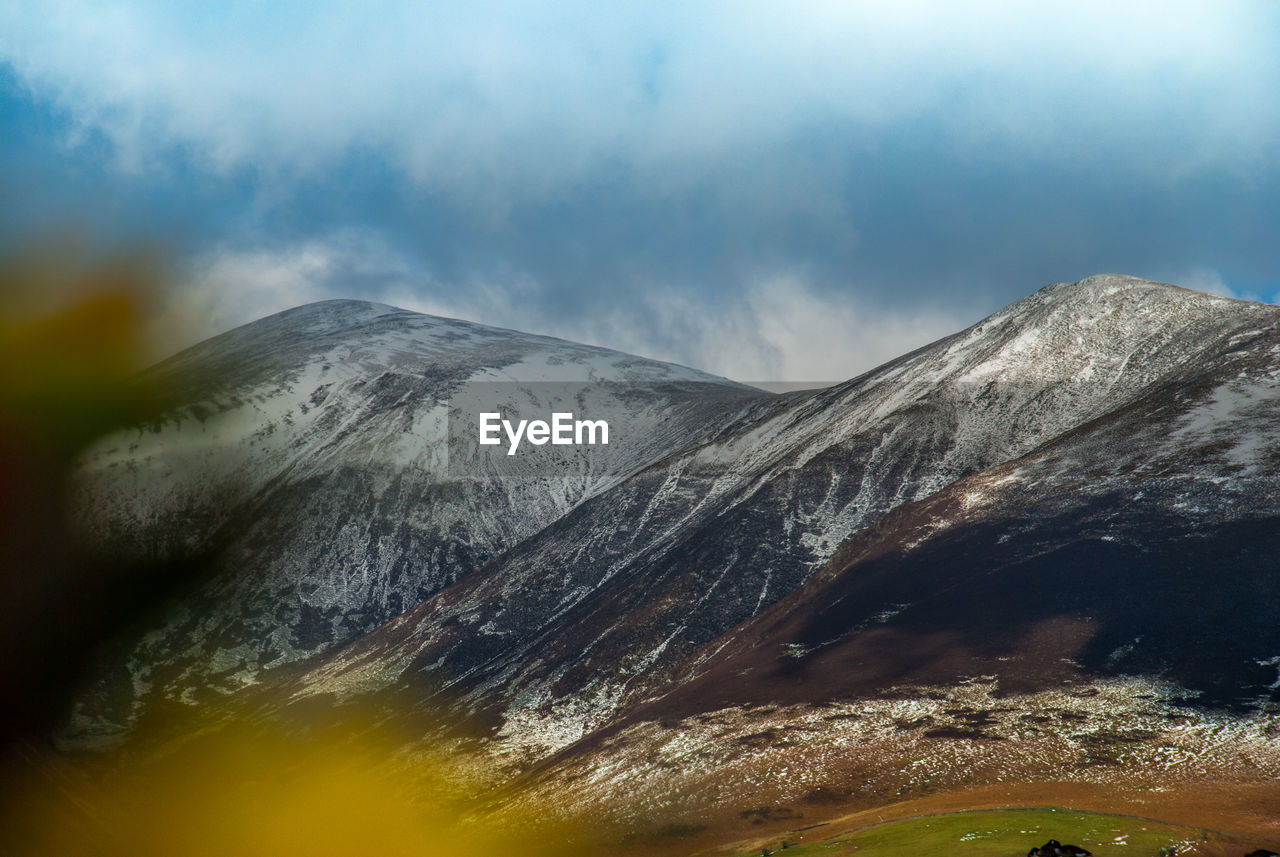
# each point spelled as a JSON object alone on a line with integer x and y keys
{"x": 334, "y": 312}
{"x": 1098, "y": 286}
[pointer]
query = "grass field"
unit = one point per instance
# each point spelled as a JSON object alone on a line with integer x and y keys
{"x": 1011, "y": 833}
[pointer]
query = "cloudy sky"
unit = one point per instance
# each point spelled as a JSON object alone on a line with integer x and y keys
{"x": 769, "y": 191}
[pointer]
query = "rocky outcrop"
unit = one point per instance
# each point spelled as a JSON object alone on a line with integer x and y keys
{"x": 1054, "y": 848}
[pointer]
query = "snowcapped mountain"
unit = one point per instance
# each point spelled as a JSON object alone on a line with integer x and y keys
{"x": 1100, "y": 610}
{"x": 1040, "y": 549}
{"x": 309, "y": 458}
{"x": 629, "y": 595}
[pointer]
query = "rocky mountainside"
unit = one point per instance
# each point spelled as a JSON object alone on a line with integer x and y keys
{"x": 1039, "y": 552}
{"x": 307, "y": 459}
{"x": 1146, "y": 542}
{"x": 1101, "y": 611}
{"x": 630, "y": 595}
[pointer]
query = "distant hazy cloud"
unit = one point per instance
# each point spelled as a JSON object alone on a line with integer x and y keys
{"x": 226, "y": 287}
{"x": 777, "y": 328}
{"x": 1204, "y": 280}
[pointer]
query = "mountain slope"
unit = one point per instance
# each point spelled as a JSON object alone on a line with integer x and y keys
{"x": 624, "y": 597}
{"x": 310, "y": 460}
{"x": 1150, "y": 539}
{"x": 1099, "y": 612}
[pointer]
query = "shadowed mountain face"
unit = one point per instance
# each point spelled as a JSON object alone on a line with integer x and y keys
{"x": 1039, "y": 590}
{"x": 1146, "y": 542}
{"x": 631, "y": 595}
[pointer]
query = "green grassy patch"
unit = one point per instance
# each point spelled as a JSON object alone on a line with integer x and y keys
{"x": 1006, "y": 833}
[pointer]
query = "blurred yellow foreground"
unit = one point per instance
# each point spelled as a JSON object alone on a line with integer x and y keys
{"x": 71, "y": 340}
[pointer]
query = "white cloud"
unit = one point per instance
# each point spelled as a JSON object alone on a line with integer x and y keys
{"x": 1206, "y": 279}
{"x": 827, "y": 338}
{"x": 229, "y": 286}
{"x": 780, "y": 328}
{"x": 756, "y": 112}
{"x": 777, "y": 328}
{"x": 494, "y": 101}
{"x": 1203, "y": 279}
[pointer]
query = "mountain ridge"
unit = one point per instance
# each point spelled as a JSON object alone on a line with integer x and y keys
{"x": 308, "y": 453}
{"x": 338, "y": 311}
{"x": 1038, "y": 550}
{"x": 448, "y": 643}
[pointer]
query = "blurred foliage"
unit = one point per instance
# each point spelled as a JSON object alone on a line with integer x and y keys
{"x": 67, "y": 374}
{"x": 247, "y": 791}
{"x": 72, "y": 340}
{"x": 71, "y": 344}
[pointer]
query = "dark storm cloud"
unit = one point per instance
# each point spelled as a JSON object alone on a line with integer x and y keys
{"x": 758, "y": 190}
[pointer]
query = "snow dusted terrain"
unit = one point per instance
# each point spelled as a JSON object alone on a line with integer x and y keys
{"x": 1050, "y": 539}
{"x": 1101, "y": 610}
{"x": 309, "y": 461}
{"x": 628, "y": 594}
